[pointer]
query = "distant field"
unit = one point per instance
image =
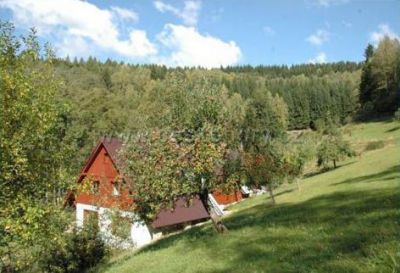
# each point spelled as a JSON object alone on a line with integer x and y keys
{"x": 344, "y": 220}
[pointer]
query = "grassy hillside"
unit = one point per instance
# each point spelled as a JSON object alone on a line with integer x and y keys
{"x": 345, "y": 220}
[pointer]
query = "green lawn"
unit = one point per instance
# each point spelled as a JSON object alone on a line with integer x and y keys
{"x": 345, "y": 220}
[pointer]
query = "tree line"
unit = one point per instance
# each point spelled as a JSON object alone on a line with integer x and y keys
{"x": 115, "y": 98}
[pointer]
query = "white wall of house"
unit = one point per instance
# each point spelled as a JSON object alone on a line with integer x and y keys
{"x": 140, "y": 234}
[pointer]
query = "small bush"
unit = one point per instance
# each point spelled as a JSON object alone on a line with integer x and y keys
{"x": 80, "y": 251}
{"x": 374, "y": 145}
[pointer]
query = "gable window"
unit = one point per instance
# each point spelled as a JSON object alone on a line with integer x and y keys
{"x": 115, "y": 188}
{"x": 95, "y": 187}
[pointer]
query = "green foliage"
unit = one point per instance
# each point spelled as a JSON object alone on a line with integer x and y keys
{"x": 274, "y": 163}
{"x": 31, "y": 133}
{"x": 79, "y": 251}
{"x": 121, "y": 227}
{"x": 266, "y": 117}
{"x": 32, "y": 150}
{"x": 380, "y": 80}
{"x": 312, "y": 98}
{"x": 162, "y": 167}
{"x": 113, "y": 99}
{"x": 25, "y": 236}
{"x": 332, "y": 149}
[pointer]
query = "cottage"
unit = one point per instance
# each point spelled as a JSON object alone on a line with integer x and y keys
{"x": 107, "y": 194}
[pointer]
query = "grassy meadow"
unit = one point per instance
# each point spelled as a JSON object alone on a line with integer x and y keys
{"x": 343, "y": 220}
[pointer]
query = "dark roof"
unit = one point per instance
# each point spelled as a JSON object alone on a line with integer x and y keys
{"x": 112, "y": 145}
{"x": 181, "y": 213}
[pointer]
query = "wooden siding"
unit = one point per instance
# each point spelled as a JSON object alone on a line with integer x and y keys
{"x": 226, "y": 199}
{"x": 103, "y": 170}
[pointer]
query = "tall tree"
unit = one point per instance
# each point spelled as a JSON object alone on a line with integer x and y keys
{"x": 333, "y": 147}
{"x": 161, "y": 167}
{"x": 31, "y": 148}
{"x": 380, "y": 81}
{"x": 267, "y": 116}
{"x": 384, "y": 68}
{"x": 270, "y": 165}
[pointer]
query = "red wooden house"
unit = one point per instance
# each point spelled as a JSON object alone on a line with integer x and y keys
{"x": 103, "y": 191}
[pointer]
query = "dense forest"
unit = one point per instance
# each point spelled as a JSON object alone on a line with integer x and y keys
{"x": 234, "y": 120}
{"x": 113, "y": 98}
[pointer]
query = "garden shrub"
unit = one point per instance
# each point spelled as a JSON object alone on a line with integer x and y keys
{"x": 82, "y": 250}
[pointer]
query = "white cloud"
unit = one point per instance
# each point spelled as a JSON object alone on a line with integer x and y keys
{"x": 137, "y": 44}
{"x": 75, "y": 24}
{"x": 319, "y": 37}
{"x": 79, "y": 29}
{"x": 186, "y": 46}
{"x": 320, "y": 58}
{"x": 190, "y": 48}
{"x": 189, "y": 13}
{"x": 74, "y": 47}
{"x": 383, "y": 30}
{"x": 269, "y": 30}
{"x": 125, "y": 14}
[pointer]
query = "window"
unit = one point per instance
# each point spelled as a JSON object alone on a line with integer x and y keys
{"x": 115, "y": 188}
{"x": 95, "y": 187}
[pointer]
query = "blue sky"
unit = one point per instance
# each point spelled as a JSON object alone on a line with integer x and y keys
{"x": 209, "y": 33}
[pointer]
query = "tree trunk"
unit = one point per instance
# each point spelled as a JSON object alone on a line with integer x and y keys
{"x": 298, "y": 184}
{"x": 218, "y": 224}
{"x": 334, "y": 163}
{"x": 271, "y": 193}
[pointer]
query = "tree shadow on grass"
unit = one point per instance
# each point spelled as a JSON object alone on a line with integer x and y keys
{"x": 308, "y": 175}
{"x": 390, "y": 173}
{"x": 202, "y": 232}
{"x": 393, "y": 129}
{"x": 338, "y": 232}
{"x": 279, "y": 193}
{"x": 330, "y": 233}
{"x": 194, "y": 234}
